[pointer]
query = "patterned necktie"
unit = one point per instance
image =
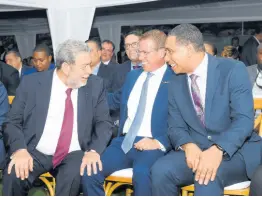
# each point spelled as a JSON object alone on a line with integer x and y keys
{"x": 65, "y": 137}
{"x": 197, "y": 99}
{"x": 134, "y": 128}
{"x": 136, "y": 67}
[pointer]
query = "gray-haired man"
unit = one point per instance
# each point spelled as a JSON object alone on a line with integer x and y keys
{"x": 50, "y": 125}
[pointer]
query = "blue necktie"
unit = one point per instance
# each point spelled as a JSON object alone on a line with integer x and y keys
{"x": 134, "y": 128}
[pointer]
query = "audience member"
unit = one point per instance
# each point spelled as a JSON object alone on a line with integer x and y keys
{"x": 142, "y": 135}
{"x": 249, "y": 52}
{"x": 210, "y": 48}
{"x": 107, "y": 54}
{"x": 41, "y": 59}
{"x": 50, "y": 125}
{"x": 230, "y": 52}
{"x": 235, "y": 43}
{"x": 14, "y": 59}
{"x": 9, "y": 76}
{"x": 210, "y": 121}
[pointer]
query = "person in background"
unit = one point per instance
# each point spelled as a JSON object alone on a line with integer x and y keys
{"x": 230, "y": 52}
{"x": 210, "y": 48}
{"x": 14, "y": 59}
{"x": 41, "y": 59}
{"x": 249, "y": 51}
{"x": 9, "y": 76}
{"x": 235, "y": 44}
{"x": 107, "y": 55}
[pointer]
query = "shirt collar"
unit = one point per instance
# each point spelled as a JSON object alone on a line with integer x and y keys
{"x": 58, "y": 82}
{"x": 96, "y": 69}
{"x": 201, "y": 70}
{"x": 160, "y": 71}
{"x": 107, "y": 62}
{"x": 257, "y": 39}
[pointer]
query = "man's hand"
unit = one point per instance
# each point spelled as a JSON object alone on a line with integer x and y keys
{"x": 192, "y": 152}
{"x": 23, "y": 162}
{"x": 210, "y": 161}
{"x": 147, "y": 144}
{"x": 90, "y": 161}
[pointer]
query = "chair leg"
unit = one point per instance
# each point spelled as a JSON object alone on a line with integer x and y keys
{"x": 107, "y": 187}
{"x": 184, "y": 193}
{"x": 48, "y": 185}
{"x": 129, "y": 192}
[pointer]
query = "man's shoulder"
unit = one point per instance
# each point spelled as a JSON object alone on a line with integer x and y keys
{"x": 7, "y": 68}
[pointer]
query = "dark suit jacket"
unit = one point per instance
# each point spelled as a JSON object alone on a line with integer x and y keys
{"x": 26, "y": 119}
{"x": 120, "y": 75}
{"x": 229, "y": 114}
{"x": 106, "y": 73}
{"x": 249, "y": 52}
{"x": 160, "y": 107}
{"x": 9, "y": 77}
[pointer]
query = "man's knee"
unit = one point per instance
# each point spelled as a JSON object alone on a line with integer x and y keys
{"x": 93, "y": 179}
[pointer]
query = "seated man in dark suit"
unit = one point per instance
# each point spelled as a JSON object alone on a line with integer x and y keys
{"x": 235, "y": 44}
{"x": 50, "y": 125}
{"x": 41, "y": 59}
{"x": 14, "y": 59}
{"x": 4, "y": 108}
{"x": 107, "y": 52}
{"x": 210, "y": 121}
{"x": 142, "y": 137}
{"x": 9, "y": 76}
{"x": 249, "y": 50}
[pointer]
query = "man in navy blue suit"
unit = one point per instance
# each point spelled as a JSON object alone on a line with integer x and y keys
{"x": 210, "y": 122}
{"x": 142, "y": 137}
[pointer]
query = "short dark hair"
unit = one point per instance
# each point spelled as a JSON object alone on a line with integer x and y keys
{"x": 97, "y": 42}
{"x": 135, "y": 32}
{"x": 44, "y": 48}
{"x": 109, "y": 42}
{"x": 16, "y": 53}
{"x": 188, "y": 34}
{"x": 214, "y": 48}
{"x": 258, "y": 30}
{"x": 235, "y": 38}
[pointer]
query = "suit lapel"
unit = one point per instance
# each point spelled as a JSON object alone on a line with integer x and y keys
{"x": 213, "y": 75}
{"x": 43, "y": 94}
{"x": 84, "y": 108}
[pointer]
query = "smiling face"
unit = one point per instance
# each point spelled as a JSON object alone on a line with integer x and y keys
{"x": 178, "y": 56}
{"x": 77, "y": 74}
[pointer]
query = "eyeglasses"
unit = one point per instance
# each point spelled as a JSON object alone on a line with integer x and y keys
{"x": 107, "y": 50}
{"x": 133, "y": 45}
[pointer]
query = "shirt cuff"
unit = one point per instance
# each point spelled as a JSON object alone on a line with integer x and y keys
{"x": 162, "y": 148}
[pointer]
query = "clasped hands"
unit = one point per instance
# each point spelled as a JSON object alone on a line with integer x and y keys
{"x": 203, "y": 163}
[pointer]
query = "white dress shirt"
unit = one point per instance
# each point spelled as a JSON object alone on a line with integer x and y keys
{"x": 49, "y": 139}
{"x": 107, "y": 62}
{"x": 132, "y": 104}
{"x": 257, "y": 39}
{"x": 96, "y": 69}
{"x": 201, "y": 72}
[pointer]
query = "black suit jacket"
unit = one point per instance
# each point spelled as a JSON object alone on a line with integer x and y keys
{"x": 9, "y": 77}
{"x": 249, "y": 52}
{"x": 26, "y": 119}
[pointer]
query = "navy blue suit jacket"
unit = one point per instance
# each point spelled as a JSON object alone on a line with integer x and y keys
{"x": 229, "y": 114}
{"x": 160, "y": 107}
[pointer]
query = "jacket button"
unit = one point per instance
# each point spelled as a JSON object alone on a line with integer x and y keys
{"x": 209, "y": 137}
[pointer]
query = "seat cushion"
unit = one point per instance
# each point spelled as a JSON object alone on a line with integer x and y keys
{"x": 242, "y": 185}
{"x": 127, "y": 173}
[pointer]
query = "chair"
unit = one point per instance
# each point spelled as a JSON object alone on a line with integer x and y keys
{"x": 117, "y": 179}
{"x": 44, "y": 177}
{"x": 238, "y": 189}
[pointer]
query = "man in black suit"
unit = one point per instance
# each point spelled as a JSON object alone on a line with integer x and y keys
{"x": 249, "y": 52}
{"x": 14, "y": 59}
{"x": 50, "y": 125}
{"x": 107, "y": 55}
{"x": 9, "y": 76}
{"x": 235, "y": 43}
